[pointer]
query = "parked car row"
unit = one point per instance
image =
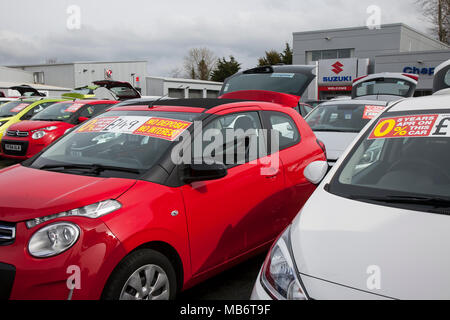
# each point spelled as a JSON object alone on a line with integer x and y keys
{"x": 139, "y": 225}
{"x": 126, "y": 198}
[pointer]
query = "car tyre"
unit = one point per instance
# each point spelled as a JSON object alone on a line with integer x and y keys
{"x": 145, "y": 274}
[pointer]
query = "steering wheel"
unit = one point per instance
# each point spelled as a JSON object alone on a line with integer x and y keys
{"x": 438, "y": 173}
{"x": 120, "y": 154}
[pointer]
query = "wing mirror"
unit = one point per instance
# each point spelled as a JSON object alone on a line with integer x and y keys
{"x": 82, "y": 119}
{"x": 204, "y": 172}
{"x": 316, "y": 171}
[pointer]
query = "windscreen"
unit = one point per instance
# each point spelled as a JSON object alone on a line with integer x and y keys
{"x": 384, "y": 86}
{"x": 59, "y": 112}
{"x": 123, "y": 139}
{"x": 401, "y": 155}
{"x": 10, "y": 109}
{"x": 342, "y": 117}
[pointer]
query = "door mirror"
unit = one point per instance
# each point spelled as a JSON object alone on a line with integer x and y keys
{"x": 82, "y": 119}
{"x": 204, "y": 172}
{"x": 316, "y": 171}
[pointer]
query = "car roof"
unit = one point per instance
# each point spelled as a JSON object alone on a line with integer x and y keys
{"x": 347, "y": 102}
{"x": 91, "y": 101}
{"x": 434, "y": 102}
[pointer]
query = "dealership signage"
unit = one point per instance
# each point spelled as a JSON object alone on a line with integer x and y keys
{"x": 420, "y": 71}
{"x": 337, "y": 72}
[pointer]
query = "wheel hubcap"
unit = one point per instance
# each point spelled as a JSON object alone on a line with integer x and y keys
{"x": 149, "y": 282}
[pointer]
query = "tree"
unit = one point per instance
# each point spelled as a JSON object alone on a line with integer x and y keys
{"x": 273, "y": 57}
{"x": 225, "y": 69}
{"x": 287, "y": 55}
{"x": 437, "y": 12}
{"x": 199, "y": 63}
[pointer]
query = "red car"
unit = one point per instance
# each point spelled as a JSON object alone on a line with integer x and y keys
{"x": 110, "y": 211}
{"x": 25, "y": 139}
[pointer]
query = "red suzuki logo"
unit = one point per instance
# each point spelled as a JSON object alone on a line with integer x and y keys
{"x": 337, "y": 67}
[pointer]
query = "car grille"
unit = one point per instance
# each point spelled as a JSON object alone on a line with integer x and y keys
{"x": 23, "y": 148}
{"x": 7, "y": 275}
{"x": 7, "y": 233}
{"x": 21, "y": 134}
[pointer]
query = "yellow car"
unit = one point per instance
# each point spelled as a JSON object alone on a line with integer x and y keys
{"x": 16, "y": 111}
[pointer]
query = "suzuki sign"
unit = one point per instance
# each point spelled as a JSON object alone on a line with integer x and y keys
{"x": 338, "y": 72}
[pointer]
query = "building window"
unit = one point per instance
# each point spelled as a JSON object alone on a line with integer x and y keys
{"x": 212, "y": 94}
{"x": 176, "y": 93}
{"x": 330, "y": 54}
{"x": 195, "y": 94}
{"x": 39, "y": 77}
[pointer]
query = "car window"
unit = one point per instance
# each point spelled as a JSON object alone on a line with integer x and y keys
{"x": 285, "y": 127}
{"x": 342, "y": 117}
{"x": 447, "y": 78}
{"x": 384, "y": 86}
{"x": 94, "y": 110}
{"x": 238, "y": 132}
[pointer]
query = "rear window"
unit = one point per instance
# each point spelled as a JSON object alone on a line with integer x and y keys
{"x": 342, "y": 117}
{"x": 384, "y": 86}
{"x": 290, "y": 83}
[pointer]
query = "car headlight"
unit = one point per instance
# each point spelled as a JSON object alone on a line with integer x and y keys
{"x": 38, "y": 135}
{"x": 53, "y": 240}
{"x": 52, "y": 128}
{"x": 279, "y": 276}
{"x": 92, "y": 211}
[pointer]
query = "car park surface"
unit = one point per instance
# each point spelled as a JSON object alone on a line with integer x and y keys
{"x": 377, "y": 218}
{"x": 25, "y": 139}
{"x": 129, "y": 235}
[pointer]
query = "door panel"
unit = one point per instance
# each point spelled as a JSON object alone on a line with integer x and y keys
{"x": 235, "y": 214}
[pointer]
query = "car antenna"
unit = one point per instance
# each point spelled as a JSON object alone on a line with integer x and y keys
{"x": 165, "y": 96}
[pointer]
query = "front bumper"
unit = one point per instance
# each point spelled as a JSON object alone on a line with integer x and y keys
{"x": 95, "y": 254}
{"x": 28, "y": 148}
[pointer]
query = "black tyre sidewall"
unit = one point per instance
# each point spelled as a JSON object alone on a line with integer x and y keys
{"x": 132, "y": 263}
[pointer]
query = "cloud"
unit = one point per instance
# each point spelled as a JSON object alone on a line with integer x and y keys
{"x": 163, "y": 32}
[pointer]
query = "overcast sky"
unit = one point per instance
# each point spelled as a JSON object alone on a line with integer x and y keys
{"x": 161, "y": 32}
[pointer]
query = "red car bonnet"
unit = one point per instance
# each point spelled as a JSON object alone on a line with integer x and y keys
{"x": 34, "y": 125}
{"x": 266, "y": 96}
{"x": 30, "y": 193}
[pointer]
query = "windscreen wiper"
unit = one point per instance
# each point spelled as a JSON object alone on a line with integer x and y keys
{"x": 437, "y": 202}
{"x": 94, "y": 168}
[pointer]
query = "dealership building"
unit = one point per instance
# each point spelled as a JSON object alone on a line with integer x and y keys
{"x": 343, "y": 55}
{"x": 78, "y": 74}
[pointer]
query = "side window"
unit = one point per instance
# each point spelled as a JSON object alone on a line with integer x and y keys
{"x": 286, "y": 128}
{"x": 236, "y": 148}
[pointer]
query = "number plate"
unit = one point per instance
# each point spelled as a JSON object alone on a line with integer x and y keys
{"x": 13, "y": 147}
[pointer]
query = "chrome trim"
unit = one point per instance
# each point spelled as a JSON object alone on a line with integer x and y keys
{"x": 10, "y": 229}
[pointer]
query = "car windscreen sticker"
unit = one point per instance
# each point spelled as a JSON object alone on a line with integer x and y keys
{"x": 167, "y": 129}
{"x": 19, "y": 107}
{"x": 411, "y": 126}
{"x": 123, "y": 124}
{"x": 283, "y": 75}
{"x": 74, "y": 107}
{"x": 348, "y": 115}
{"x": 371, "y": 112}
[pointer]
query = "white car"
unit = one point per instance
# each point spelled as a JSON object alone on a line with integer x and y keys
{"x": 378, "y": 229}
{"x": 338, "y": 122}
{"x": 387, "y": 86}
